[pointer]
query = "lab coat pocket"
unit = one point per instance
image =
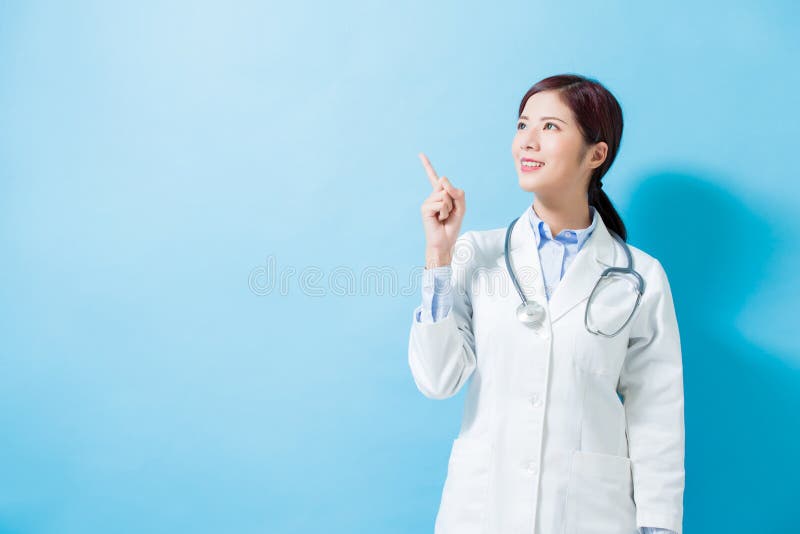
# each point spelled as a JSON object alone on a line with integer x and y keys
{"x": 464, "y": 498}
{"x": 600, "y": 495}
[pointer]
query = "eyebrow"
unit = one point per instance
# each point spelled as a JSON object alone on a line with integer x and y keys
{"x": 543, "y": 118}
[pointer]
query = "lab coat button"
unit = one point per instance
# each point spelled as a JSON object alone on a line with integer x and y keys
{"x": 532, "y": 468}
{"x": 536, "y": 401}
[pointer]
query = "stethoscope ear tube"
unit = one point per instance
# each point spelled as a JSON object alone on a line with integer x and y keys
{"x": 508, "y": 262}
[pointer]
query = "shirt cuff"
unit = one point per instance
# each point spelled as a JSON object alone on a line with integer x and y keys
{"x": 437, "y": 295}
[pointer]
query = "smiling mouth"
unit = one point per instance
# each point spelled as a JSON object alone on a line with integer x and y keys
{"x": 530, "y": 165}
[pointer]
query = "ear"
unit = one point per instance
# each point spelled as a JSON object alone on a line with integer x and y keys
{"x": 599, "y": 152}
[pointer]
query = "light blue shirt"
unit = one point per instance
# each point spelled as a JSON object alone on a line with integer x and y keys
{"x": 556, "y": 255}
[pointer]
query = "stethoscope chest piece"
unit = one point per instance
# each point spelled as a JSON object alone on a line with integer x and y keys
{"x": 531, "y": 314}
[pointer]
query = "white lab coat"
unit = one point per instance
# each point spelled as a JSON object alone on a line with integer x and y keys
{"x": 547, "y": 445}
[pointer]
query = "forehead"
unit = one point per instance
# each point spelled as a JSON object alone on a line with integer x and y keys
{"x": 546, "y": 103}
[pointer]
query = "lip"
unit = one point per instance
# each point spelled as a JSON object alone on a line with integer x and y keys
{"x": 530, "y": 169}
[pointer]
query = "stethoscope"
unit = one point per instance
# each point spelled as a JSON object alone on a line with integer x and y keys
{"x": 532, "y": 314}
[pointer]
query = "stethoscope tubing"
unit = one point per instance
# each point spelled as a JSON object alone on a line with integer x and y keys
{"x": 610, "y": 271}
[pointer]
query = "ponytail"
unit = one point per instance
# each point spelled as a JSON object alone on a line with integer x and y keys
{"x": 601, "y": 202}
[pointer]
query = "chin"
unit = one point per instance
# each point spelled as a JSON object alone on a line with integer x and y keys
{"x": 529, "y": 184}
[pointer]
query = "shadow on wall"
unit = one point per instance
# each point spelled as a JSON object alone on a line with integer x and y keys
{"x": 742, "y": 401}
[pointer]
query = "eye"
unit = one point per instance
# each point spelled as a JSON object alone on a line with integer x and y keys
{"x": 521, "y": 124}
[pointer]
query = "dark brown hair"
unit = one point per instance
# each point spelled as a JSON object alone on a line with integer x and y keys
{"x": 599, "y": 117}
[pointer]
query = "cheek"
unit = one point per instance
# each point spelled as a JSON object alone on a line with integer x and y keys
{"x": 554, "y": 145}
{"x": 564, "y": 159}
{"x": 562, "y": 147}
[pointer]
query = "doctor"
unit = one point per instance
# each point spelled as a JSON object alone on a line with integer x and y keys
{"x": 564, "y": 430}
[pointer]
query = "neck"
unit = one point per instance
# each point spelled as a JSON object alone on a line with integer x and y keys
{"x": 564, "y": 214}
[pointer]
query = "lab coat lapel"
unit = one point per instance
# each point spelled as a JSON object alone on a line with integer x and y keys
{"x": 525, "y": 261}
{"x": 597, "y": 253}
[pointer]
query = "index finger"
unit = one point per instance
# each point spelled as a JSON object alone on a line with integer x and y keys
{"x": 434, "y": 179}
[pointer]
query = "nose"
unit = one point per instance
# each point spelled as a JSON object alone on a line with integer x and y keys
{"x": 528, "y": 140}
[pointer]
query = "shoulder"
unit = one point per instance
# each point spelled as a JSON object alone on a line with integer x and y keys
{"x": 642, "y": 260}
{"x": 480, "y": 246}
{"x": 651, "y": 269}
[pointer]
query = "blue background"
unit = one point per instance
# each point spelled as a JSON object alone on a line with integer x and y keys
{"x": 155, "y": 157}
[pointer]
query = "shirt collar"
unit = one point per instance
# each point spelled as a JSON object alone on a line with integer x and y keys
{"x": 568, "y": 236}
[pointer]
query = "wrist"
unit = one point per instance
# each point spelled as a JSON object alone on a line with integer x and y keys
{"x": 437, "y": 259}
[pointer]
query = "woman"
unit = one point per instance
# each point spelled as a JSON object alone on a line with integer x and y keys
{"x": 564, "y": 430}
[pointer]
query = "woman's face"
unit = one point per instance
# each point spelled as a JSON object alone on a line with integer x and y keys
{"x": 547, "y": 132}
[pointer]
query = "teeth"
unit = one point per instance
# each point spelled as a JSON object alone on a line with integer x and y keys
{"x": 532, "y": 164}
